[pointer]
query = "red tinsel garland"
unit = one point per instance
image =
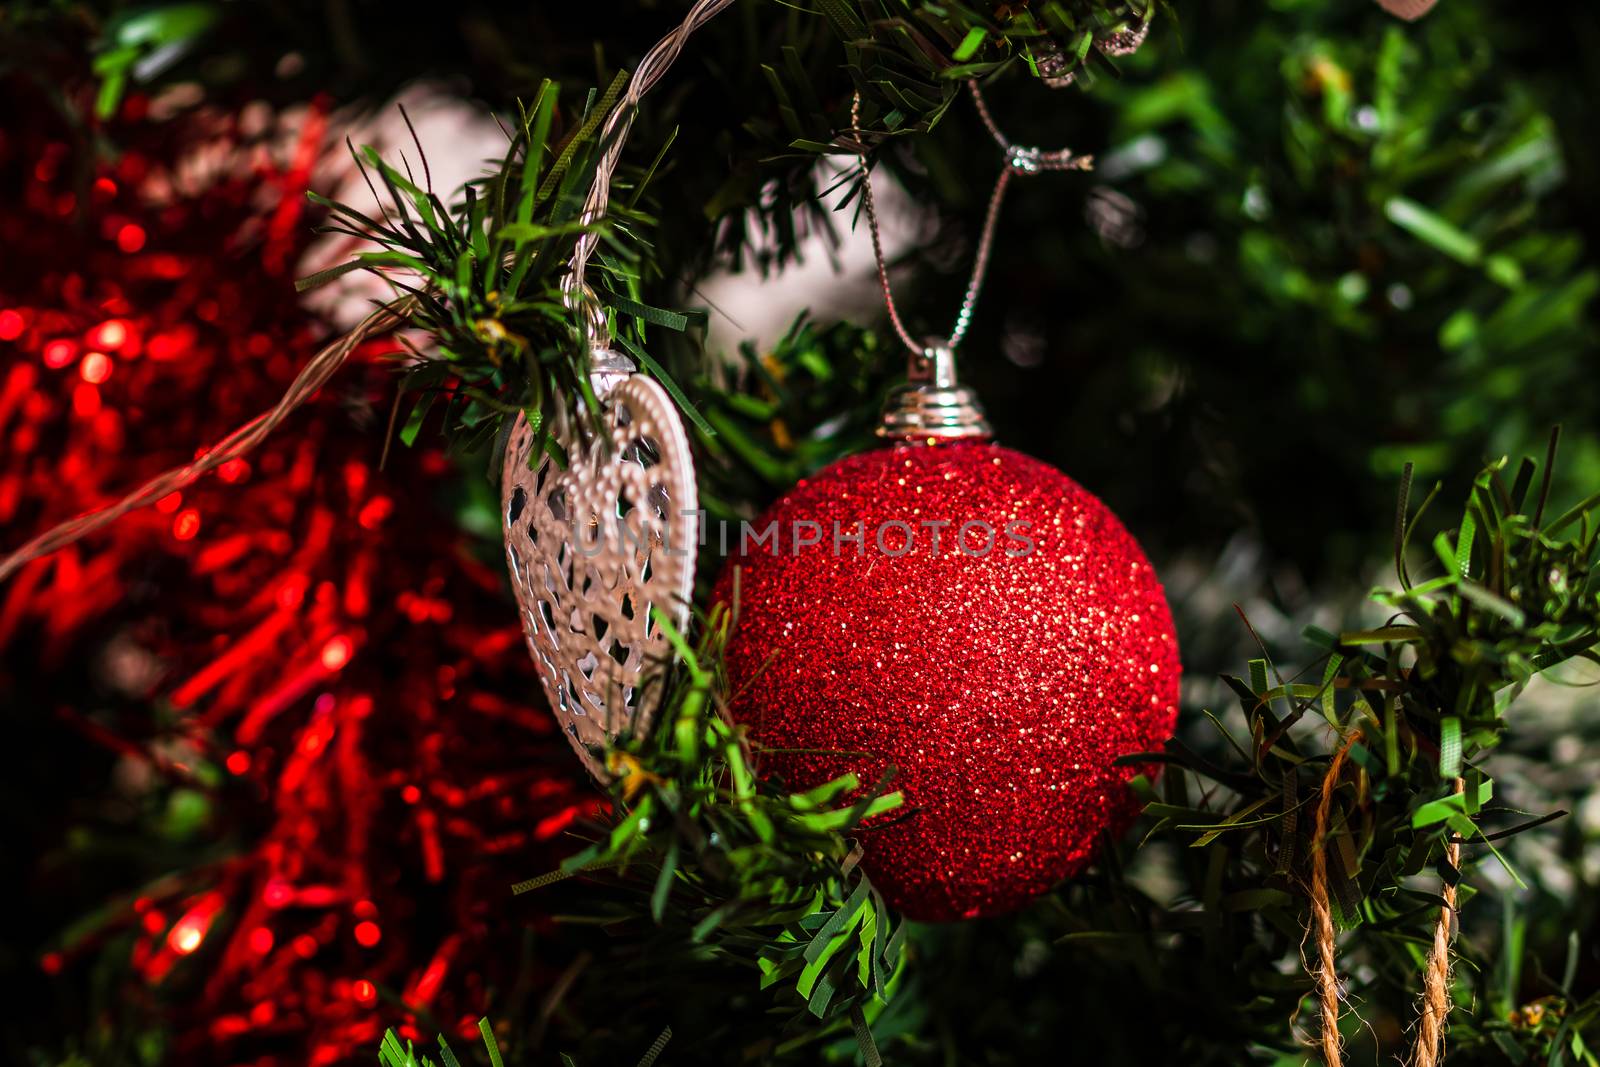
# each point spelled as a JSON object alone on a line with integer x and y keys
{"x": 320, "y": 666}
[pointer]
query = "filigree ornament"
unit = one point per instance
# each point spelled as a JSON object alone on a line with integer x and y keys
{"x": 596, "y": 549}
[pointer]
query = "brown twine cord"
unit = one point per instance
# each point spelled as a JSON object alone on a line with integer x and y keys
{"x": 1322, "y": 911}
{"x": 1429, "y": 1051}
{"x": 311, "y": 378}
{"x": 1436, "y": 979}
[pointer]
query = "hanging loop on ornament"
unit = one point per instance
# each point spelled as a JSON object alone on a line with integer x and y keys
{"x": 1019, "y": 159}
{"x": 614, "y": 132}
{"x": 594, "y": 328}
{"x": 934, "y": 360}
{"x": 608, "y": 369}
{"x": 932, "y": 405}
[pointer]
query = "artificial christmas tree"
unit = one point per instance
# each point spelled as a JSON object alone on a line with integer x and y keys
{"x": 1318, "y": 245}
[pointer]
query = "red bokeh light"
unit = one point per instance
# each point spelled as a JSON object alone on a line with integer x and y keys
{"x": 171, "y": 344}
{"x": 59, "y": 353}
{"x": 86, "y": 400}
{"x": 95, "y": 368}
{"x": 130, "y": 238}
{"x": 187, "y": 525}
{"x": 235, "y": 470}
{"x": 336, "y": 653}
{"x": 375, "y": 511}
{"x": 112, "y": 334}
{"x": 186, "y": 935}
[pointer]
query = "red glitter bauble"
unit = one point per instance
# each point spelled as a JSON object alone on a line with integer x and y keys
{"x": 994, "y": 634}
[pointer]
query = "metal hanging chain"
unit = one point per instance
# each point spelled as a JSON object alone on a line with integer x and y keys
{"x": 1020, "y": 160}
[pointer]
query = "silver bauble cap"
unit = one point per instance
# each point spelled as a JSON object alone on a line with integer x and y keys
{"x": 932, "y": 406}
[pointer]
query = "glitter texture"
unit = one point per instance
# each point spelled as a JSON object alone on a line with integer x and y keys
{"x": 1002, "y": 687}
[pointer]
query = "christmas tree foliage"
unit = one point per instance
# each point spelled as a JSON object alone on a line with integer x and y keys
{"x": 1318, "y": 325}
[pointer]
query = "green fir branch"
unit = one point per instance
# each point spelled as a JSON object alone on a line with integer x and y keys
{"x": 1430, "y": 695}
{"x": 488, "y": 271}
{"x": 719, "y": 859}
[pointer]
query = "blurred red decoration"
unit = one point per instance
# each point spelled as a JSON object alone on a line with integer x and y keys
{"x": 314, "y": 627}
